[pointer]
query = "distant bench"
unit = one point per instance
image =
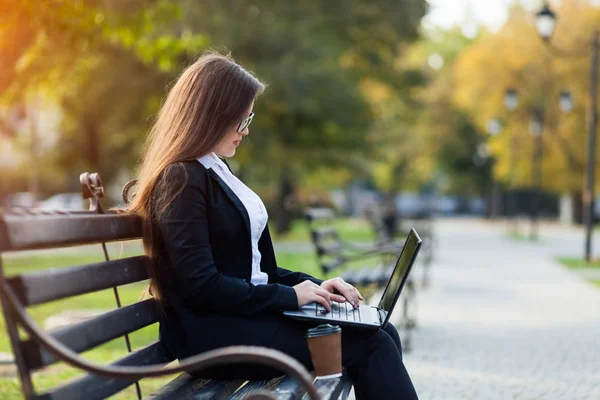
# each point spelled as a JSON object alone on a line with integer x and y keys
{"x": 395, "y": 228}
{"x": 335, "y": 254}
{"x": 31, "y": 229}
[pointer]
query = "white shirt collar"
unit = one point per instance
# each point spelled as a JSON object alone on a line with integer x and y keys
{"x": 210, "y": 160}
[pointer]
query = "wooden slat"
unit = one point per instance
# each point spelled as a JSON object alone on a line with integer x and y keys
{"x": 288, "y": 388}
{"x": 187, "y": 387}
{"x": 329, "y": 248}
{"x": 312, "y": 214}
{"x": 92, "y": 387}
{"x": 177, "y": 388}
{"x": 27, "y": 232}
{"x": 328, "y": 266}
{"x": 43, "y": 286}
{"x": 214, "y": 389}
{"x": 93, "y": 332}
{"x": 362, "y": 276}
{"x": 333, "y": 388}
{"x": 255, "y": 386}
{"x": 350, "y": 276}
{"x": 321, "y": 234}
{"x": 376, "y": 274}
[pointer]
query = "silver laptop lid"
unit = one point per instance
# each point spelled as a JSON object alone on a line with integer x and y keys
{"x": 401, "y": 271}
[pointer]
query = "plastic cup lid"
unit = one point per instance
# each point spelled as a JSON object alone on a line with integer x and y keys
{"x": 322, "y": 330}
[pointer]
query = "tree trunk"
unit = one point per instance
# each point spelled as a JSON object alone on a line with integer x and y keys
{"x": 284, "y": 200}
{"x": 577, "y": 203}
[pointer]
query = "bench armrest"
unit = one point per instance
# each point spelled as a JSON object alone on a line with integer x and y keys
{"x": 239, "y": 354}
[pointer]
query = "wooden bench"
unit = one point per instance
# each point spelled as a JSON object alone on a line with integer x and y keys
{"x": 29, "y": 230}
{"x": 334, "y": 254}
{"x": 393, "y": 229}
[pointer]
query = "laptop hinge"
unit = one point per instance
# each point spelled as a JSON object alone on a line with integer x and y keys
{"x": 381, "y": 315}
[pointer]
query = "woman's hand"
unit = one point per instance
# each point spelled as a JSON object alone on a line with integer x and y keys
{"x": 308, "y": 291}
{"x": 349, "y": 292}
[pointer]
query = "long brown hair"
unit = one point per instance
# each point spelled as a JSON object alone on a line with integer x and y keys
{"x": 204, "y": 104}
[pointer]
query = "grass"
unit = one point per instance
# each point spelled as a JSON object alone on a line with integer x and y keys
{"x": 352, "y": 229}
{"x": 101, "y": 300}
{"x": 578, "y": 263}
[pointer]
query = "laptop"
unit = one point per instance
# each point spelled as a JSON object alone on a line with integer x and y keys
{"x": 366, "y": 316}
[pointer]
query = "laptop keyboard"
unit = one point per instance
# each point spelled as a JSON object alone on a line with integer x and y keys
{"x": 343, "y": 311}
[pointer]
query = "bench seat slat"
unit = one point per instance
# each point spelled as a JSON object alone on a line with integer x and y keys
{"x": 330, "y": 265}
{"x": 93, "y": 332}
{"x": 253, "y": 386}
{"x": 322, "y": 234}
{"x": 288, "y": 388}
{"x": 187, "y": 387}
{"x": 177, "y": 388}
{"x": 331, "y": 248}
{"x": 43, "y": 286}
{"x": 213, "y": 389}
{"x": 313, "y": 214}
{"x": 334, "y": 388}
{"x": 26, "y": 232}
{"x": 92, "y": 387}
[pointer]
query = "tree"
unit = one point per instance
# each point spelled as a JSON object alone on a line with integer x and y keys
{"x": 312, "y": 55}
{"x": 526, "y": 65}
{"x": 105, "y": 63}
{"x": 442, "y": 139}
{"x": 114, "y": 58}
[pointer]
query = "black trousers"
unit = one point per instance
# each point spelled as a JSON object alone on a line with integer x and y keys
{"x": 373, "y": 359}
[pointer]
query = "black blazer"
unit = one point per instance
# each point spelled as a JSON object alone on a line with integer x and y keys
{"x": 204, "y": 254}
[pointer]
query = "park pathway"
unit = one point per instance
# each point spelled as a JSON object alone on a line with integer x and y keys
{"x": 502, "y": 320}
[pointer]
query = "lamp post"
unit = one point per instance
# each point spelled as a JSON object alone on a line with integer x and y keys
{"x": 545, "y": 23}
{"x": 511, "y": 102}
{"x": 536, "y": 127}
{"x": 494, "y": 127}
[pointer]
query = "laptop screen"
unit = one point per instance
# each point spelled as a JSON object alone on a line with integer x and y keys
{"x": 403, "y": 266}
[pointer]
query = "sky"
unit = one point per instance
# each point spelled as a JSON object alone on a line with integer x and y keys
{"x": 469, "y": 13}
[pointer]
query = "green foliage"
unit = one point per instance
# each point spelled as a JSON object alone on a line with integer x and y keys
{"x": 111, "y": 61}
{"x": 449, "y": 136}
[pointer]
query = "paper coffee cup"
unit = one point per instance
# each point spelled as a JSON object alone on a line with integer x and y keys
{"x": 325, "y": 346}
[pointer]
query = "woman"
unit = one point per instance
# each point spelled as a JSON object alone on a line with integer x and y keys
{"x": 214, "y": 267}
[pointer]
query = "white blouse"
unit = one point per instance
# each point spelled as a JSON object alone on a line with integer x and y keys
{"x": 254, "y": 206}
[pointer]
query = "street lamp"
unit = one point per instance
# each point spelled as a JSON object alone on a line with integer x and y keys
{"x": 565, "y": 101}
{"x": 511, "y": 101}
{"x": 536, "y": 127}
{"x": 493, "y": 128}
{"x": 545, "y": 23}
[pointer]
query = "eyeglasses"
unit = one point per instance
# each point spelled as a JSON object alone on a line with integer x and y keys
{"x": 245, "y": 122}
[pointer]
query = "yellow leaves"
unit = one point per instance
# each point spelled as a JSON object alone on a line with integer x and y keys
{"x": 515, "y": 57}
{"x": 375, "y": 91}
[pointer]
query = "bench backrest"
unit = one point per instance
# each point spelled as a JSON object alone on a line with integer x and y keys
{"x": 29, "y": 231}
{"x": 325, "y": 237}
